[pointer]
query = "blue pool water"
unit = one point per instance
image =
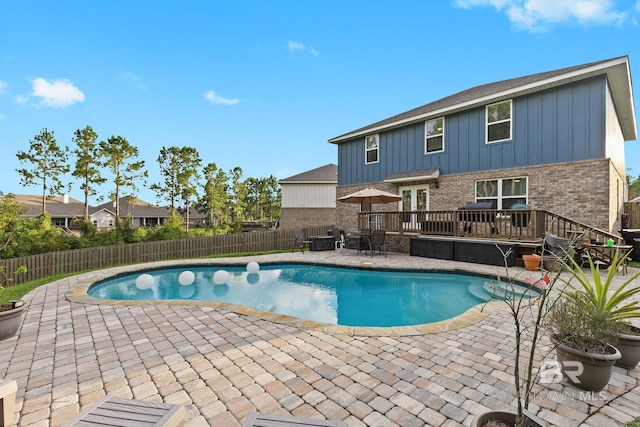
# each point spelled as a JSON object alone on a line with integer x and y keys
{"x": 333, "y": 295}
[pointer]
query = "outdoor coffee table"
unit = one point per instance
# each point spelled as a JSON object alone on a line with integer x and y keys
{"x": 114, "y": 411}
{"x": 322, "y": 243}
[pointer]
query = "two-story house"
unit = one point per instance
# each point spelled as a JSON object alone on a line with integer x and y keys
{"x": 309, "y": 198}
{"x": 552, "y": 140}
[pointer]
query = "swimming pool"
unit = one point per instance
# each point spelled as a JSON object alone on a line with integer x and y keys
{"x": 326, "y": 294}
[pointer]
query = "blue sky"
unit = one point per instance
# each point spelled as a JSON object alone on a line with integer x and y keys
{"x": 264, "y": 84}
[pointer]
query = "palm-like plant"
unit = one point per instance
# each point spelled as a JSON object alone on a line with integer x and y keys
{"x": 618, "y": 306}
{"x": 592, "y": 313}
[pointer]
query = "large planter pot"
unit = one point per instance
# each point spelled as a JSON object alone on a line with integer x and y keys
{"x": 10, "y": 319}
{"x": 531, "y": 262}
{"x": 629, "y": 346}
{"x": 551, "y": 263}
{"x": 507, "y": 417}
{"x": 592, "y": 372}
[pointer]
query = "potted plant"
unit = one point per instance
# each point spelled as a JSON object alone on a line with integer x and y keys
{"x": 582, "y": 338}
{"x": 528, "y": 307}
{"x": 531, "y": 261}
{"x": 10, "y": 310}
{"x": 590, "y": 318}
{"x": 628, "y": 343}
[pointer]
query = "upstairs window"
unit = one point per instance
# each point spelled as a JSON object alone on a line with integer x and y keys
{"x": 434, "y": 136}
{"x": 499, "y": 121}
{"x": 371, "y": 149}
{"x": 502, "y": 193}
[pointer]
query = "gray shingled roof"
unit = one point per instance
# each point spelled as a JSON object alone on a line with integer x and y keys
{"x": 140, "y": 209}
{"x": 136, "y": 208}
{"x": 617, "y": 70}
{"x": 56, "y": 206}
{"x": 327, "y": 173}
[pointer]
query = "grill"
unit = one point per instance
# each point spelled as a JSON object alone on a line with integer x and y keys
{"x": 468, "y": 216}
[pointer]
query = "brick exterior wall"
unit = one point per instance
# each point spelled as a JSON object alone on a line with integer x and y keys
{"x": 590, "y": 191}
{"x": 306, "y": 217}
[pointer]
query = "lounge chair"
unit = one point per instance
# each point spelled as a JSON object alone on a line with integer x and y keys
{"x": 256, "y": 419}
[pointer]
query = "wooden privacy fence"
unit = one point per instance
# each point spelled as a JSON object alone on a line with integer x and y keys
{"x": 632, "y": 213}
{"x": 77, "y": 260}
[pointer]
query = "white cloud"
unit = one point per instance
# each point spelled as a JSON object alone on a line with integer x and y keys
{"x": 537, "y": 14}
{"x": 3, "y": 117}
{"x": 136, "y": 80}
{"x": 56, "y": 93}
{"x": 213, "y": 98}
{"x": 297, "y": 46}
{"x": 3, "y": 86}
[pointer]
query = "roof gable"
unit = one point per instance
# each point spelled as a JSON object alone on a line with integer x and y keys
{"x": 323, "y": 174}
{"x": 617, "y": 71}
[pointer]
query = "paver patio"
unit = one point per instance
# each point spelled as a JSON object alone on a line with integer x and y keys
{"x": 223, "y": 365}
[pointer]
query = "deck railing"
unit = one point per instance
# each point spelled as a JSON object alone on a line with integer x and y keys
{"x": 500, "y": 224}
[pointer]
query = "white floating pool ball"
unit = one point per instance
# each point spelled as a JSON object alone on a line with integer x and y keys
{"x": 253, "y": 267}
{"x": 144, "y": 281}
{"x": 220, "y": 277}
{"x": 186, "y": 278}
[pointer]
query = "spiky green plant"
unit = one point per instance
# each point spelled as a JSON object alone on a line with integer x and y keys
{"x": 617, "y": 305}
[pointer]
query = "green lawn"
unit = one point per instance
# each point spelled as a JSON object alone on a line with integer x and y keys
{"x": 16, "y": 292}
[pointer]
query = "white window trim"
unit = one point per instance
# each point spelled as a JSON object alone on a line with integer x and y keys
{"x": 366, "y": 150}
{"x": 426, "y": 137}
{"x": 500, "y": 197}
{"x": 510, "y": 120}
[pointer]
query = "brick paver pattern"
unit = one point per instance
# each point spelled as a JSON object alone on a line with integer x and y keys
{"x": 222, "y": 365}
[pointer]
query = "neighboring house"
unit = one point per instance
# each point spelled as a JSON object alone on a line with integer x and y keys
{"x": 309, "y": 198}
{"x": 62, "y": 209}
{"x": 552, "y": 140}
{"x": 140, "y": 213}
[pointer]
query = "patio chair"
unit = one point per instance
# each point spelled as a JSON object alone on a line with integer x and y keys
{"x": 338, "y": 235}
{"x": 300, "y": 241}
{"x": 365, "y": 240}
{"x": 378, "y": 242}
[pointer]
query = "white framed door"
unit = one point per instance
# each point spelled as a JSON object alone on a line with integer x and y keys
{"x": 414, "y": 198}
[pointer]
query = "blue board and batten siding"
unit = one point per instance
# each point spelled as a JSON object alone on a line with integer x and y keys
{"x": 562, "y": 124}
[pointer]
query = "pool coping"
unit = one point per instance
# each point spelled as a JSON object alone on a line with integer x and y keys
{"x": 77, "y": 293}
